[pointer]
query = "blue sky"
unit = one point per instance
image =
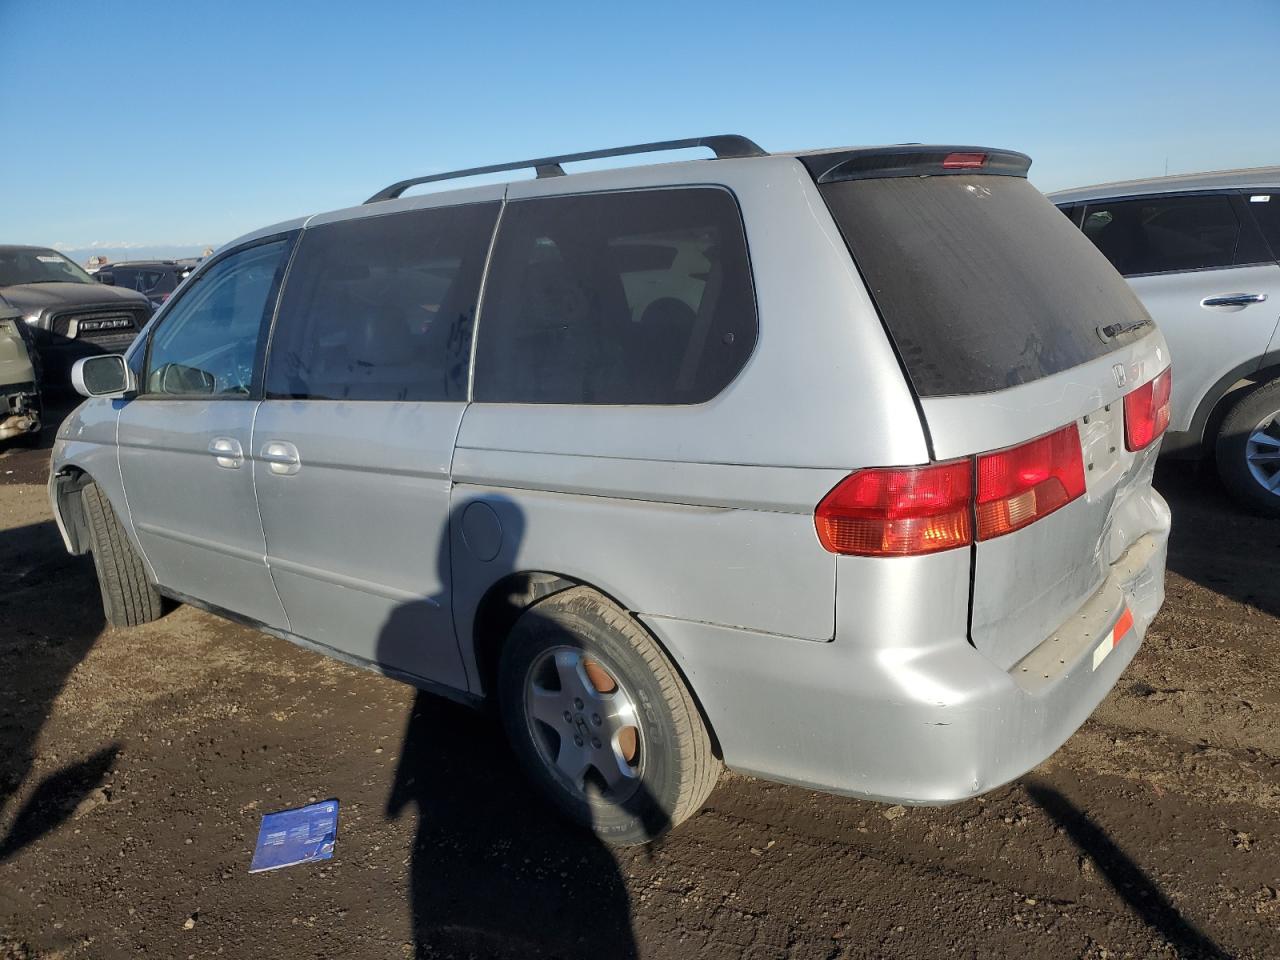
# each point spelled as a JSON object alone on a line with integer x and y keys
{"x": 164, "y": 123}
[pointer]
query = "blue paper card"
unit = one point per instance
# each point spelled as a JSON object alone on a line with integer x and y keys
{"x": 296, "y": 836}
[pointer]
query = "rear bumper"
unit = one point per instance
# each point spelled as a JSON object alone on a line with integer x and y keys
{"x": 925, "y": 722}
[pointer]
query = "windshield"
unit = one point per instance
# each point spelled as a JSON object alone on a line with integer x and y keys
{"x": 34, "y": 265}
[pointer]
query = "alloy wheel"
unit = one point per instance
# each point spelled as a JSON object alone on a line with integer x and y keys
{"x": 585, "y": 724}
{"x": 1262, "y": 452}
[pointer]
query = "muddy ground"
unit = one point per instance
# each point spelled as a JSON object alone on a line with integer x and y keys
{"x": 136, "y": 765}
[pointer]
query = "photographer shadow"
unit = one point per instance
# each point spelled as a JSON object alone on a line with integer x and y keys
{"x": 494, "y": 871}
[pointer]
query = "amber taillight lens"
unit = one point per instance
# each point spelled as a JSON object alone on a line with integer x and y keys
{"x": 899, "y": 511}
{"x": 1024, "y": 483}
{"x": 1146, "y": 411}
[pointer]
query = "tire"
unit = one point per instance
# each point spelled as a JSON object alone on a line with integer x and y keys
{"x": 665, "y": 763}
{"x": 1251, "y": 478}
{"x": 128, "y": 598}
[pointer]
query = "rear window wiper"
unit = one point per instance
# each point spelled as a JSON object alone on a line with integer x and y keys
{"x": 1113, "y": 330}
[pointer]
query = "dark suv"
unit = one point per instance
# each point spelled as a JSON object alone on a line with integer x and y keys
{"x": 71, "y": 314}
{"x": 155, "y": 279}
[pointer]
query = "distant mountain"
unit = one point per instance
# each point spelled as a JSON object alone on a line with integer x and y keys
{"x": 131, "y": 251}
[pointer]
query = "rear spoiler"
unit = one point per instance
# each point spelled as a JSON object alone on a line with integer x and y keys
{"x": 911, "y": 160}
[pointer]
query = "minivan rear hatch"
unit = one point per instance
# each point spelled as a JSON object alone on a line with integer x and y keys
{"x": 1009, "y": 326}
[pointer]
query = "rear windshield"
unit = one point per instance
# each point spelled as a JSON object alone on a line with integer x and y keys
{"x": 981, "y": 282}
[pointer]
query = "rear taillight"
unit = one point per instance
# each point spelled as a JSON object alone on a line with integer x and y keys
{"x": 964, "y": 161}
{"x": 908, "y": 511}
{"x": 899, "y": 511}
{"x": 1146, "y": 411}
{"x": 1022, "y": 484}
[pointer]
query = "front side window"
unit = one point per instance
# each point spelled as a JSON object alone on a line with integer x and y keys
{"x": 1164, "y": 234}
{"x": 208, "y": 343}
{"x": 641, "y": 297}
{"x": 381, "y": 308}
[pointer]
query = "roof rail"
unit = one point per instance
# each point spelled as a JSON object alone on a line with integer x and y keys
{"x": 724, "y": 146}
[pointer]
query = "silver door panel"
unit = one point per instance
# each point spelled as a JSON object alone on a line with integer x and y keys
{"x": 355, "y": 502}
{"x": 196, "y": 521}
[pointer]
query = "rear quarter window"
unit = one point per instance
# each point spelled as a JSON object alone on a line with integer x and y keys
{"x": 1264, "y": 207}
{"x": 640, "y": 297}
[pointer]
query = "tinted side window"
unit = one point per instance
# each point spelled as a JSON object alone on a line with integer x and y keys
{"x": 209, "y": 342}
{"x": 637, "y": 297}
{"x": 1164, "y": 234}
{"x": 1265, "y": 208}
{"x": 1072, "y": 212}
{"x": 381, "y": 308}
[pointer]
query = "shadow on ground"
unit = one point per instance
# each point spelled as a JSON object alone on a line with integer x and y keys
{"x": 1125, "y": 877}
{"x": 37, "y": 655}
{"x": 493, "y": 871}
{"x": 1217, "y": 543}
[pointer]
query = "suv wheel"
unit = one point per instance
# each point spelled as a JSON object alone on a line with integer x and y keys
{"x": 1249, "y": 449}
{"x": 601, "y": 720}
{"x": 128, "y": 598}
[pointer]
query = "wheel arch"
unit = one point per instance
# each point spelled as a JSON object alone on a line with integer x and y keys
{"x": 68, "y": 510}
{"x": 1198, "y": 441}
{"x": 508, "y": 597}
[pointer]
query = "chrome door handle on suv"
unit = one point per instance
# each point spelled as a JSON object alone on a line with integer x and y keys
{"x": 281, "y": 457}
{"x": 1233, "y": 300}
{"x": 227, "y": 452}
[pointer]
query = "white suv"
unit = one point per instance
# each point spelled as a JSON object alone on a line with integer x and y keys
{"x": 1201, "y": 253}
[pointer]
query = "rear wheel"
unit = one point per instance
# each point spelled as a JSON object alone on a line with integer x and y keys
{"x": 601, "y": 720}
{"x": 1248, "y": 449}
{"x": 128, "y": 598}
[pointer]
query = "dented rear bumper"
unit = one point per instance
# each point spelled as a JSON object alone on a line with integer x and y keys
{"x": 900, "y": 708}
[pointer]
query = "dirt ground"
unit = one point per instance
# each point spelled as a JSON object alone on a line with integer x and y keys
{"x": 136, "y": 764}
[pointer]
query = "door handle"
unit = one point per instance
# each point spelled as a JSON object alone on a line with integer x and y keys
{"x": 227, "y": 452}
{"x": 1233, "y": 300}
{"x": 281, "y": 457}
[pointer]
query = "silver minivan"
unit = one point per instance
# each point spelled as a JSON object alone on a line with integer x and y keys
{"x": 832, "y": 468}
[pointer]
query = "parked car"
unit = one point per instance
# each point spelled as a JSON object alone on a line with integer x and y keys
{"x": 70, "y": 314}
{"x": 874, "y": 515}
{"x": 155, "y": 279}
{"x": 20, "y": 408}
{"x": 1202, "y": 251}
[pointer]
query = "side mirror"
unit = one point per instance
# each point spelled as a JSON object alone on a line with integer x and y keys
{"x": 181, "y": 380}
{"x": 104, "y": 376}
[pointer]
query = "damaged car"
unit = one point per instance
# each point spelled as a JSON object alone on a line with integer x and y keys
{"x": 19, "y": 380}
{"x": 70, "y": 314}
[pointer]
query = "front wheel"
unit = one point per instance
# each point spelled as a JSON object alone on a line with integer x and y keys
{"x": 128, "y": 598}
{"x": 600, "y": 719}
{"x": 1248, "y": 449}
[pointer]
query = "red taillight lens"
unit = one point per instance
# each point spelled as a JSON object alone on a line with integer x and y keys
{"x": 1020, "y": 485}
{"x": 899, "y": 511}
{"x": 963, "y": 161}
{"x": 1146, "y": 411}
